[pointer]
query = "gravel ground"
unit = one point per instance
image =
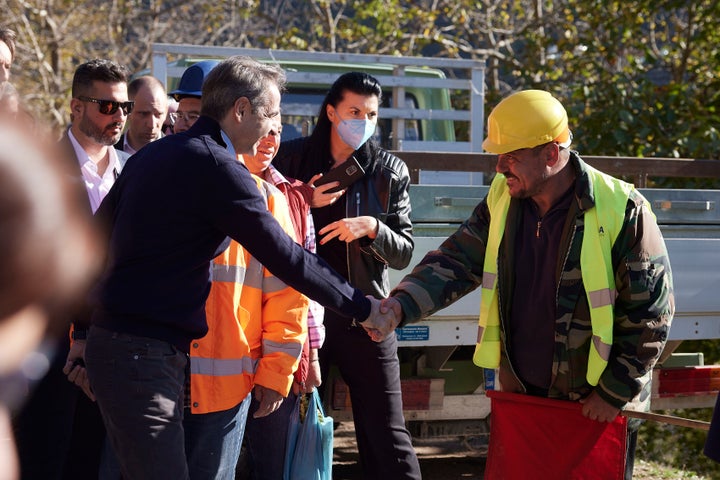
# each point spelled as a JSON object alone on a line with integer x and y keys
{"x": 452, "y": 459}
{"x": 439, "y": 459}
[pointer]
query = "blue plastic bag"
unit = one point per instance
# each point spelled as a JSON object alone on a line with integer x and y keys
{"x": 308, "y": 455}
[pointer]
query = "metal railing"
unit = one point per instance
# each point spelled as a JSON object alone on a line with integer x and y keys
{"x": 472, "y": 83}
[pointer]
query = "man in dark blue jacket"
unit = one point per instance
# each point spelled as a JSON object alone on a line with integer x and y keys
{"x": 170, "y": 213}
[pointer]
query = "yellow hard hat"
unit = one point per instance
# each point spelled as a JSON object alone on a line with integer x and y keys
{"x": 526, "y": 119}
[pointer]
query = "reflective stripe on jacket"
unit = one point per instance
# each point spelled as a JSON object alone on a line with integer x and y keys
{"x": 602, "y": 227}
{"x": 257, "y": 326}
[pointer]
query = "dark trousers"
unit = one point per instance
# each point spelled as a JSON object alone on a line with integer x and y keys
{"x": 372, "y": 373}
{"x": 59, "y": 431}
{"x": 630, "y": 453}
{"x": 266, "y": 453}
{"x": 712, "y": 442}
{"x": 139, "y": 384}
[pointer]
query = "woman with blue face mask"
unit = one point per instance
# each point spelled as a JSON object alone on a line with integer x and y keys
{"x": 363, "y": 230}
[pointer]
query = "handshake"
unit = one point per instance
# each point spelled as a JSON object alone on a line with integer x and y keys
{"x": 385, "y": 316}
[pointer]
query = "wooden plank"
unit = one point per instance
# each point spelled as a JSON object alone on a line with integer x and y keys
{"x": 668, "y": 419}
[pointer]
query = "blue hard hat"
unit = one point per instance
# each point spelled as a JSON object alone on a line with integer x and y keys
{"x": 193, "y": 78}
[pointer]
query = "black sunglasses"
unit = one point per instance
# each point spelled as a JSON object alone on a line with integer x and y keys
{"x": 109, "y": 107}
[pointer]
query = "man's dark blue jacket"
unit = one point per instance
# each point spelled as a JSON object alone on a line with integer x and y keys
{"x": 169, "y": 213}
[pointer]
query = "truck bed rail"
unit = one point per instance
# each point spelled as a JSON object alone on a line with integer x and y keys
{"x": 640, "y": 169}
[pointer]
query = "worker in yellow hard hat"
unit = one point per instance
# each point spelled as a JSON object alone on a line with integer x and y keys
{"x": 532, "y": 124}
{"x": 543, "y": 120}
{"x": 576, "y": 299}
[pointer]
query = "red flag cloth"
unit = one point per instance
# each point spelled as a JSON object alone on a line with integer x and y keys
{"x": 545, "y": 439}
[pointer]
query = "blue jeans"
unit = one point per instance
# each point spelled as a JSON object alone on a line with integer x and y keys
{"x": 266, "y": 452}
{"x": 139, "y": 385}
{"x": 213, "y": 441}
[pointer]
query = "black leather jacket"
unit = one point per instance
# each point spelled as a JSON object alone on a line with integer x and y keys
{"x": 382, "y": 193}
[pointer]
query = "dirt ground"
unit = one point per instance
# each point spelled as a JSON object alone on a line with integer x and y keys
{"x": 440, "y": 459}
{"x": 446, "y": 459}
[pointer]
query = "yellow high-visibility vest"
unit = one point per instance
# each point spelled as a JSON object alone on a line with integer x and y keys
{"x": 602, "y": 227}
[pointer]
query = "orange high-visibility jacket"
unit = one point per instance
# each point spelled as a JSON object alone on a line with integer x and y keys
{"x": 257, "y": 326}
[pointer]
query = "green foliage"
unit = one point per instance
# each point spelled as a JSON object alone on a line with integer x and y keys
{"x": 644, "y": 75}
{"x": 638, "y": 78}
{"x": 679, "y": 447}
{"x": 654, "y": 439}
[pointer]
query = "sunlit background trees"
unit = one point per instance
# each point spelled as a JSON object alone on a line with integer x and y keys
{"x": 639, "y": 78}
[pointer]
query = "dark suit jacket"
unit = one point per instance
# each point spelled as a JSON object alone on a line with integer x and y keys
{"x": 71, "y": 169}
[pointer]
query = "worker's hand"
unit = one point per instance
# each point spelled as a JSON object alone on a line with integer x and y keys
{"x": 314, "y": 377}
{"x": 349, "y": 229}
{"x": 595, "y": 408}
{"x": 379, "y": 325}
{"x": 391, "y": 303}
{"x": 75, "y": 368}
{"x": 321, "y": 197}
{"x": 269, "y": 399}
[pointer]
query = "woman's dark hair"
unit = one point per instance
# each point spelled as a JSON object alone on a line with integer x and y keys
{"x": 357, "y": 82}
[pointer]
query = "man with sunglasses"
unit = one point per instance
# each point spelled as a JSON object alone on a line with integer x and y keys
{"x": 99, "y": 108}
{"x": 61, "y": 434}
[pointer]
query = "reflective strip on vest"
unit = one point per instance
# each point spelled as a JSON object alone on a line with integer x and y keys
{"x": 611, "y": 197}
{"x": 291, "y": 348}
{"x": 273, "y": 284}
{"x": 227, "y": 273}
{"x": 221, "y": 367}
{"x": 600, "y": 298}
{"x": 240, "y": 274}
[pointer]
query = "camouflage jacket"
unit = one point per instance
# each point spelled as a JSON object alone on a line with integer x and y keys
{"x": 643, "y": 308}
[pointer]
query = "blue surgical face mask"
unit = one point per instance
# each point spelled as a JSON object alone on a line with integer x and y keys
{"x": 355, "y": 132}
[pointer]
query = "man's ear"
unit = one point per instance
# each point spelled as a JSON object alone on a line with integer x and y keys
{"x": 552, "y": 154}
{"x": 241, "y": 105}
{"x": 330, "y": 111}
{"x": 75, "y": 105}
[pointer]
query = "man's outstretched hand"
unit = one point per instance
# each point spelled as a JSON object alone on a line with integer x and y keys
{"x": 384, "y": 317}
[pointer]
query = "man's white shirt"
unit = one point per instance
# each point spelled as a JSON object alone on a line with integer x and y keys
{"x": 97, "y": 187}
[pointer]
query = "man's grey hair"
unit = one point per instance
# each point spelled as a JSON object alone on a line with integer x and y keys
{"x": 237, "y": 77}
